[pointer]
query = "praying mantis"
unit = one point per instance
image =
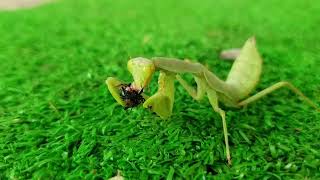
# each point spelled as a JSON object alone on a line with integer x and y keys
{"x": 233, "y": 92}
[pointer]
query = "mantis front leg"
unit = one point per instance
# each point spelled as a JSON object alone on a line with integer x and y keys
{"x": 162, "y": 102}
{"x": 113, "y": 86}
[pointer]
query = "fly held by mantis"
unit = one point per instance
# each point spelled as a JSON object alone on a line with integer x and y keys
{"x": 234, "y": 91}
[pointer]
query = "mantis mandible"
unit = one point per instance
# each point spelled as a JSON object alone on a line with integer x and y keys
{"x": 233, "y": 92}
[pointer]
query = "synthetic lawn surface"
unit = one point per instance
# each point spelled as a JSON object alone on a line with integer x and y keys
{"x": 57, "y": 118}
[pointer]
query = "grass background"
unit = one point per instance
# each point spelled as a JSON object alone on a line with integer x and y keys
{"x": 57, "y": 118}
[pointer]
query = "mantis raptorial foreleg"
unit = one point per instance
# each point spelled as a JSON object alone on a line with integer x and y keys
{"x": 276, "y": 87}
{"x": 213, "y": 99}
{"x": 162, "y": 101}
{"x": 113, "y": 85}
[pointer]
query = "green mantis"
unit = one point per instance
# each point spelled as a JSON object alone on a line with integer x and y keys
{"x": 233, "y": 92}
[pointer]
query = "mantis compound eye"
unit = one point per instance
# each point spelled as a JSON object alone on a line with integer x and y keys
{"x": 131, "y": 96}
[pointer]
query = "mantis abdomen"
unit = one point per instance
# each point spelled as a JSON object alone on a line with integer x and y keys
{"x": 246, "y": 70}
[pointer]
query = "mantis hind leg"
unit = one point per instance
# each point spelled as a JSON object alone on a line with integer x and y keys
{"x": 213, "y": 98}
{"x": 275, "y": 87}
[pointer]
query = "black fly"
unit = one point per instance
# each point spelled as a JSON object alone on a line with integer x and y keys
{"x": 131, "y": 96}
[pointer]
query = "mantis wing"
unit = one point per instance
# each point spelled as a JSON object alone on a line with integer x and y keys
{"x": 245, "y": 72}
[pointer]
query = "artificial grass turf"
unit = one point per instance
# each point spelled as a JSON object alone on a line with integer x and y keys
{"x": 58, "y": 119}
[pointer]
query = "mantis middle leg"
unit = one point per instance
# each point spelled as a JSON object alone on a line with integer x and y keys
{"x": 213, "y": 99}
{"x": 275, "y": 87}
{"x": 196, "y": 94}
